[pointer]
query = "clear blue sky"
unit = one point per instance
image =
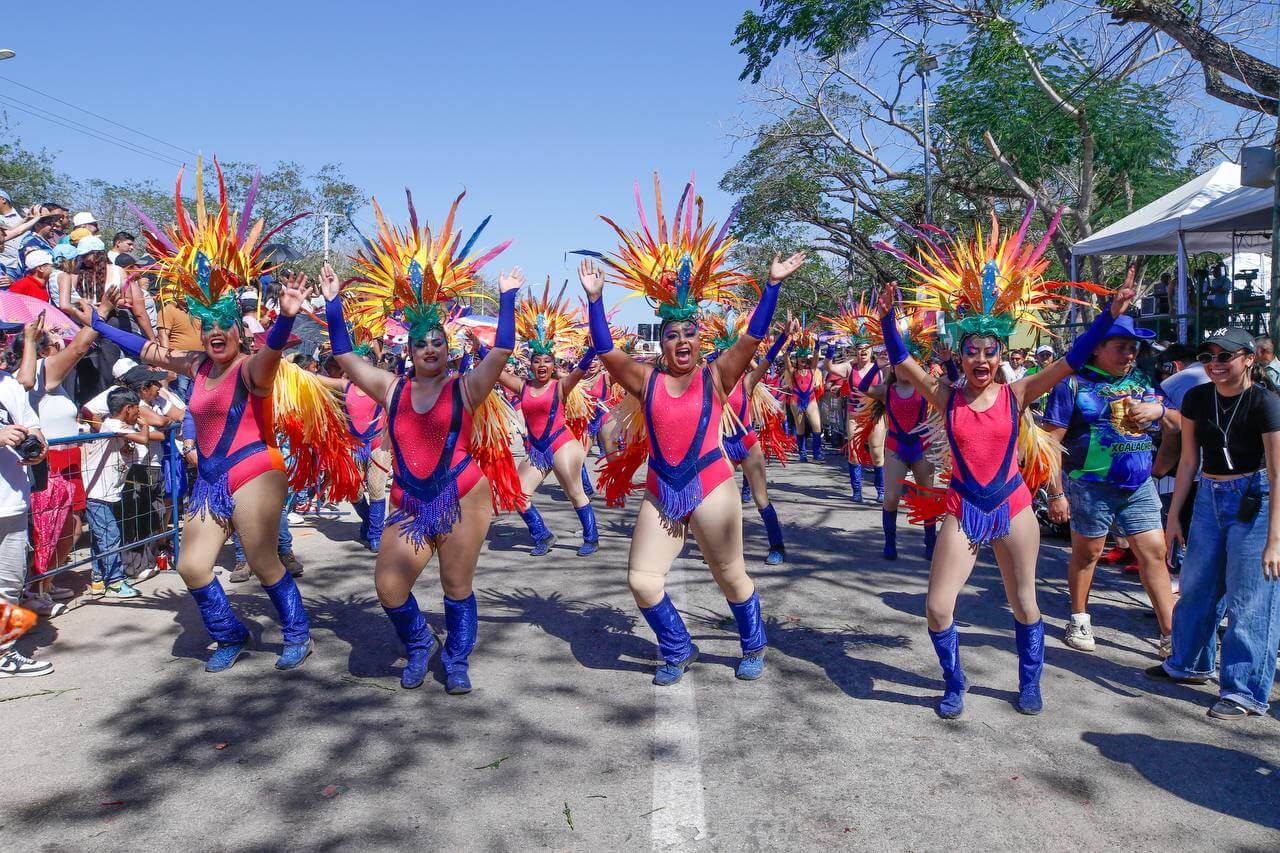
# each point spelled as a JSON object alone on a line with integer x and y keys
{"x": 546, "y": 112}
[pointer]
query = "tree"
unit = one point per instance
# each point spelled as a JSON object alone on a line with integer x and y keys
{"x": 29, "y": 176}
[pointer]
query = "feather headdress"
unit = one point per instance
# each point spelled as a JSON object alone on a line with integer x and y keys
{"x": 856, "y": 321}
{"x": 549, "y": 326}
{"x": 680, "y": 266}
{"x": 204, "y": 261}
{"x": 721, "y": 330}
{"x": 412, "y": 271}
{"x": 986, "y": 285}
{"x": 807, "y": 341}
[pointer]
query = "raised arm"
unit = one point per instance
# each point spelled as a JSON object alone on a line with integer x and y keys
{"x": 262, "y": 365}
{"x": 31, "y": 333}
{"x": 480, "y": 381}
{"x": 829, "y": 364}
{"x": 573, "y": 377}
{"x": 625, "y": 370}
{"x": 734, "y": 362}
{"x": 762, "y": 366}
{"x": 177, "y": 361}
{"x": 370, "y": 379}
{"x": 937, "y": 393}
{"x": 1028, "y": 389}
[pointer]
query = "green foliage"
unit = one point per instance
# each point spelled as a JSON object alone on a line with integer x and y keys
{"x": 827, "y": 26}
{"x": 28, "y": 175}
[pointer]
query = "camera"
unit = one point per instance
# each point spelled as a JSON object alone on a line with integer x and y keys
{"x": 30, "y": 448}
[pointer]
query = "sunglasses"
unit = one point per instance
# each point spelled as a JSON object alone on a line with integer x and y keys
{"x": 1220, "y": 358}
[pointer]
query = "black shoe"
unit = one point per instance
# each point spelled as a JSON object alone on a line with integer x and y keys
{"x": 1159, "y": 673}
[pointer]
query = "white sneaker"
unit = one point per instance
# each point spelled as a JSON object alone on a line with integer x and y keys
{"x": 1166, "y": 646}
{"x": 1079, "y": 634}
{"x": 147, "y": 574}
{"x": 294, "y": 518}
{"x": 44, "y": 605}
{"x": 14, "y": 664}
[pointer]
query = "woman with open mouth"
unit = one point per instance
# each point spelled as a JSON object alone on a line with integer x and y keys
{"x": 988, "y": 286}
{"x": 237, "y": 408}
{"x": 448, "y": 433}
{"x": 556, "y": 414}
{"x": 675, "y": 426}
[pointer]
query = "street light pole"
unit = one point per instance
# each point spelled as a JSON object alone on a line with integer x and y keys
{"x": 5, "y": 53}
{"x": 924, "y": 67}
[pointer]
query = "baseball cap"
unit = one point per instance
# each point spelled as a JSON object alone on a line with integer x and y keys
{"x": 1122, "y": 327}
{"x": 64, "y": 252}
{"x": 84, "y": 217}
{"x": 1231, "y": 340}
{"x": 135, "y": 377}
{"x": 1043, "y": 349}
{"x": 4, "y": 194}
{"x": 90, "y": 244}
{"x": 37, "y": 258}
{"x": 122, "y": 366}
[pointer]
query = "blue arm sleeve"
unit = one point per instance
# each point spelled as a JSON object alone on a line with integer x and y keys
{"x": 464, "y": 363}
{"x": 505, "y": 338}
{"x": 127, "y": 341}
{"x": 776, "y": 348}
{"x": 758, "y": 327}
{"x": 278, "y": 334}
{"x": 339, "y": 336}
{"x": 894, "y": 345}
{"x": 1083, "y": 346}
{"x": 601, "y": 337}
{"x": 587, "y": 358}
{"x": 870, "y": 379}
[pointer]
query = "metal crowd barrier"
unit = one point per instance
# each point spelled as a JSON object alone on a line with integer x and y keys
{"x": 145, "y": 501}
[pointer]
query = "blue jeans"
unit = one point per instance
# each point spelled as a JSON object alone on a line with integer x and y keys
{"x": 284, "y": 541}
{"x": 1096, "y": 507}
{"x": 104, "y": 544}
{"x": 1222, "y": 573}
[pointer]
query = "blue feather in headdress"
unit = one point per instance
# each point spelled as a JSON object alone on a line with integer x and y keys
{"x": 990, "y": 292}
{"x": 368, "y": 247}
{"x": 541, "y": 328}
{"x": 475, "y": 235}
{"x": 415, "y": 277}
{"x": 204, "y": 270}
{"x": 683, "y": 278}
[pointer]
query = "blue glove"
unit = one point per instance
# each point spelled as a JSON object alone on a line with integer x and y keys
{"x": 894, "y": 345}
{"x": 1084, "y": 345}
{"x": 762, "y": 317}
{"x": 505, "y": 338}
{"x": 601, "y": 337}
{"x": 127, "y": 341}
{"x": 278, "y": 334}
{"x": 339, "y": 336}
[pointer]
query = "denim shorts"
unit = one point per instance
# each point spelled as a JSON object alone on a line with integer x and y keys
{"x": 1096, "y": 507}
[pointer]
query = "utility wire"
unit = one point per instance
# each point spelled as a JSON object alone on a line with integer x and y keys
{"x": 70, "y": 124}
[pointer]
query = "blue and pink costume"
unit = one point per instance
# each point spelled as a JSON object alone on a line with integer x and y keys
{"x": 365, "y": 421}
{"x": 860, "y": 379}
{"x": 904, "y": 415}
{"x": 738, "y": 447}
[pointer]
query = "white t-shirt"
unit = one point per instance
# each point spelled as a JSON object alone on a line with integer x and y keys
{"x": 15, "y": 484}
{"x": 108, "y": 459}
{"x": 56, "y": 406}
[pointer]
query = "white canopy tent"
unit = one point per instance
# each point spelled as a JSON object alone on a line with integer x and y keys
{"x": 1207, "y": 214}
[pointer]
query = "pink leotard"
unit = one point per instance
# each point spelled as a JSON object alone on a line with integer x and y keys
{"x": 684, "y": 444}
{"x": 419, "y": 438}
{"x": 365, "y": 417}
{"x": 746, "y": 437}
{"x": 228, "y": 405}
{"x": 544, "y": 416}
{"x": 984, "y": 453}
{"x": 904, "y": 414}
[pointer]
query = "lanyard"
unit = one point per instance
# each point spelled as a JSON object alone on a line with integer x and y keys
{"x": 1226, "y": 453}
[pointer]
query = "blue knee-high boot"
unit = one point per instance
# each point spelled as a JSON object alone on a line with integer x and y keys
{"x": 542, "y": 537}
{"x": 777, "y": 549}
{"x": 586, "y": 482}
{"x": 947, "y": 644}
{"x": 889, "y": 522}
{"x": 362, "y": 510}
{"x": 815, "y": 445}
{"x": 222, "y": 624}
{"x": 411, "y": 627}
{"x": 1030, "y": 664}
{"x": 377, "y": 521}
{"x": 751, "y": 632}
{"x": 746, "y": 492}
{"x": 590, "y": 535}
{"x": 802, "y": 447}
{"x": 930, "y": 539}
{"x": 855, "y": 481}
{"x": 674, "y": 643}
{"x": 879, "y": 471}
{"x": 460, "y": 621}
{"x": 294, "y": 626}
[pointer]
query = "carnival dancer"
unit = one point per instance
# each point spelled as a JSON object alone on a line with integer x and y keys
{"x": 595, "y": 384}
{"x": 986, "y": 287}
{"x": 238, "y": 404}
{"x": 804, "y": 382}
{"x": 752, "y": 428}
{"x": 902, "y": 412}
{"x": 556, "y": 413}
{"x": 859, "y": 374}
{"x": 448, "y": 434}
{"x": 675, "y": 424}
{"x": 366, "y": 420}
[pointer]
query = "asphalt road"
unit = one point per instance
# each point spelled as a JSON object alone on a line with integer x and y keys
{"x": 566, "y": 745}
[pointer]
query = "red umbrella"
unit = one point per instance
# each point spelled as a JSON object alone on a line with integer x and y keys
{"x": 17, "y": 308}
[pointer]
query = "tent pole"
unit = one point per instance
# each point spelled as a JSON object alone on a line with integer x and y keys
{"x": 1275, "y": 238}
{"x": 1182, "y": 289}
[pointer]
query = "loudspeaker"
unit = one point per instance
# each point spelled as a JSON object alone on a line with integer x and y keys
{"x": 1257, "y": 167}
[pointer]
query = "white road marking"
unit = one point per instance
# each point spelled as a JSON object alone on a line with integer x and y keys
{"x": 678, "y": 817}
